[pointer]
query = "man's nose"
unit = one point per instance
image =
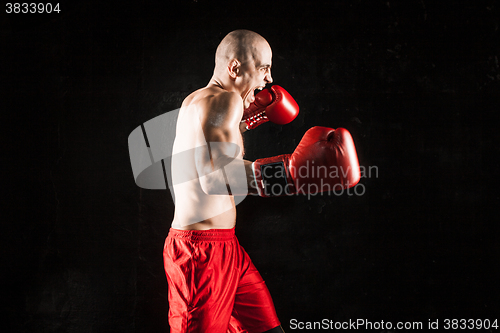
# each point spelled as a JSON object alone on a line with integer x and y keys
{"x": 268, "y": 78}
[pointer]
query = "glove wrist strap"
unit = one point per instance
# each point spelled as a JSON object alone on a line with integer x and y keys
{"x": 272, "y": 176}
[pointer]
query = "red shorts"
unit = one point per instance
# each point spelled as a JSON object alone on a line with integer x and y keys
{"x": 213, "y": 285}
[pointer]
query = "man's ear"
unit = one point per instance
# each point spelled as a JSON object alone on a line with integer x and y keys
{"x": 233, "y": 68}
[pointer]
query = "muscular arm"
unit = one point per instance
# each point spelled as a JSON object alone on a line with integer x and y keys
{"x": 220, "y": 163}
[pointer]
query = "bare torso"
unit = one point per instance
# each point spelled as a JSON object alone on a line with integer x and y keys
{"x": 194, "y": 209}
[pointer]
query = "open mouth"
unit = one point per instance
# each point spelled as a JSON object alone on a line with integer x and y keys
{"x": 257, "y": 90}
{"x": 251, "y": 96}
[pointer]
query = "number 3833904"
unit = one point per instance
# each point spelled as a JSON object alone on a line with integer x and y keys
{"x": 31, "y": 8}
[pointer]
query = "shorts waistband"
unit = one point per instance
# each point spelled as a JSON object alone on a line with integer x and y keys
{"x": 203, "y": 235}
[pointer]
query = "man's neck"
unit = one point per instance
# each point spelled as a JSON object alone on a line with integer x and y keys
{"x": 220, "y": 83}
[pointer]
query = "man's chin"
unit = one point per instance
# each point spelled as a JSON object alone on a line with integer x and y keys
{"x": 249, "y": 100}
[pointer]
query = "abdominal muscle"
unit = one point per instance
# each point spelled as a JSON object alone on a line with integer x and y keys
{"x": 195, "y": 212}
{"x": 194, "y": 209}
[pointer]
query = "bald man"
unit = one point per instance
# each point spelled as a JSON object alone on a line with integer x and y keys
{"x": 213, "y": 285}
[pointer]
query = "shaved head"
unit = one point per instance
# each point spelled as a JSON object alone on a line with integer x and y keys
{"x": 243, "y": 64}
{"x": 242, "y": 45}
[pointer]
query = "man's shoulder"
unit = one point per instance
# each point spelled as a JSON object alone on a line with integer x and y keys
{"x": 223, "y": 99}
{"x": 215, "y": 100}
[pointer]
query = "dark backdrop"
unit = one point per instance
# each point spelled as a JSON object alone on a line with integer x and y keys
{"x": 415, "y": 82}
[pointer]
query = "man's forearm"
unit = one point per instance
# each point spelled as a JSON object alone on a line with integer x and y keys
{"x": 228, "y": 176}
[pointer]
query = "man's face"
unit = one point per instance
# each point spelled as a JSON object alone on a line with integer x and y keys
{"x": 255, "y": 74}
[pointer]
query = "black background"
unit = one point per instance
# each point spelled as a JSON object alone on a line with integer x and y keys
{"x": 415, "y": 82}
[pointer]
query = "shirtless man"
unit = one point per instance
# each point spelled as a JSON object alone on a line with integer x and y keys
{"x": 213, "y": 285}
{"x": 207, "y": 294}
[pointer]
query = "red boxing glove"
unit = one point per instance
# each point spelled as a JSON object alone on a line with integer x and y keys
{"x": 273, "y": 104}
{"x": 325, "y": 160}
